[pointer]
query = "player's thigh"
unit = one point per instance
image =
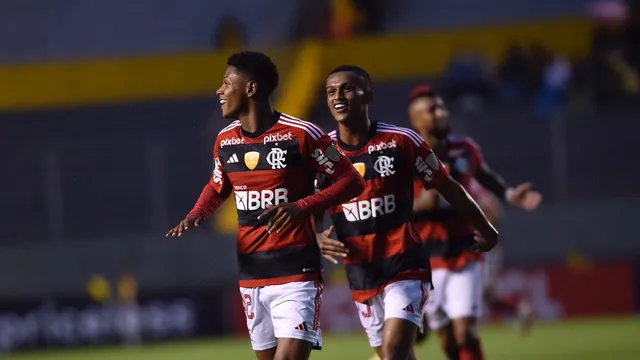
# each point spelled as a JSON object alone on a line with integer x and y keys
{"x": 404, "y": 303}
{"x": 258, "y": 315}
{"x": 371, "y": 316}
{"x": 464, "y": 292}
{"x": 293, "y": 349}
{"x": 437, "y": 318}
{"x": 295, "y": 313}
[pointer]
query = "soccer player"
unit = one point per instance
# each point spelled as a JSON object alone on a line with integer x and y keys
{"x": 455, "y": 306}
{"x": 269, "y": 161}
{"x": 388, "y": 274}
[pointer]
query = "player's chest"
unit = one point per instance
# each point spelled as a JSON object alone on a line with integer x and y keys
{"x": 250, "y": 157}
{"x": 380, "y": 161}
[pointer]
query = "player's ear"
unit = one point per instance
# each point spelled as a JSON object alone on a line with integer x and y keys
{"x": 251, "y": 89}
{"x": 368, "y": 96}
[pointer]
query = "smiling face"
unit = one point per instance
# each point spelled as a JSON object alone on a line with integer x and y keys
{"x": 347, "y": 95}
{"x": 233, "y": 93}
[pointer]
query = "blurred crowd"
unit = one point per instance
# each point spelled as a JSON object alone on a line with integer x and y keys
{"x": 532, "y": 74}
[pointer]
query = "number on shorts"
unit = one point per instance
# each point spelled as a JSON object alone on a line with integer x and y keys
{"x": 367, "y": 312}
{"x": 246, "y": 300}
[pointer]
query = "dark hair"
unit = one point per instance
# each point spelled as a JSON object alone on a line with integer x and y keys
{"x": 355, "y": 69}
{"x": 258, "y": 67}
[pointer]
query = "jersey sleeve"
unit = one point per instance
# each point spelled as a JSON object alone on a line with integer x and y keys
{"x": 215, "y": 192}
{"x": 426, "y": 165}
{"x": 337, "y": 180}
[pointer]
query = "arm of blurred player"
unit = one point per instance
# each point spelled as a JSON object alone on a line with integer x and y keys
{"x": 212, "y": 196}
{"x": 327, "y": 160}
{"x": 426, "y": 201}
{"x": 522, "y": 195}
{"x": 433, "y": 175}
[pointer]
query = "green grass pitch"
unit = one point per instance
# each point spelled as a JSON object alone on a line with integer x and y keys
{"x": 592, "y": 339}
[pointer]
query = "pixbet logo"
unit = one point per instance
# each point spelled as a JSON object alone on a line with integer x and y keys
{"x": 254, "y": 199}
{"x": 365, "y": 209}
{"x": 382, "y": 146}
{"x": 277, "y": 138}
{"x": 231, "y": 141}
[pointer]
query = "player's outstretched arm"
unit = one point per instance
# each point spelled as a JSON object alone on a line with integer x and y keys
{"x": 522, "y": 195}
{"x": 328, "y": 161}
{"x": 460, "y": 200}
{"x": 430, "y": 170}
{"x": 211, "y": 198}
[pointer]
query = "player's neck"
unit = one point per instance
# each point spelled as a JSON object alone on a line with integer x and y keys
{"x": 259, "y": 116}
{"x": 354, "y": 132}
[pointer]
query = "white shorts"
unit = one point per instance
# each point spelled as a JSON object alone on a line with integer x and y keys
{"x": 403, "y": 300}
{"x": 456, "y": 294}
{"x": 283, "y": 311}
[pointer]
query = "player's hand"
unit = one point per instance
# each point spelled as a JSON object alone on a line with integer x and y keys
{"x": 524, "y": 197}
{"x": 329, "y": 247}
{"x": 188, "y": 223}
{"x": 281, "y": 216}
{"x": 484, "y": 243}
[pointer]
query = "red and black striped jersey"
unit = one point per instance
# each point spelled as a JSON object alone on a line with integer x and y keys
{"x": 376, "y": 226}
{"x": 269, "y": 168}
{"x": 447, "y": 234}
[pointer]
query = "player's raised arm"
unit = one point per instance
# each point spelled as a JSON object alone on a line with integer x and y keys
{"x": 214, "y": 193}
{"x": 433, "y": 175}
{"x": 522, "y": 195}
{"x": 329, "y": 162}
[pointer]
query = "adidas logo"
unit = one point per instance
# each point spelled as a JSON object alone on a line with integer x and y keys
{"x": 302, "y": 327}
{"x": 408, "y": 308}
{"x": 233, "y": 159}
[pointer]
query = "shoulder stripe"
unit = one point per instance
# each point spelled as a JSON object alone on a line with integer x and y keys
{"x": 333, "y": 135}
{"x": 312, "y": 128}
{"x": 313, "y": 134}
{"x": 417, "y": 139}
{"x": 233, "y": 125}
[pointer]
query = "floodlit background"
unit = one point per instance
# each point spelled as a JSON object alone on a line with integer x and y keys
{"x": 108, "y": 116}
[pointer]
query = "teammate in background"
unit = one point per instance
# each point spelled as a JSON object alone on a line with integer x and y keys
{"x": 455, "y": 306}
{"x": 269, "y": 160}
{"x": 389, "y": 276}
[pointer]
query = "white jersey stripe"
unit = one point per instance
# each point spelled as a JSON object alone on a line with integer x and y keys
{"x": 417, "y": 139}
{"x": 310, "y": 131}
{"x": 233, "y": 125}
{"x": 312, "y": 127}
{"x": 313, "y": 135}
{"x": 401, "y": 133}
{"x": 409, "y": 132}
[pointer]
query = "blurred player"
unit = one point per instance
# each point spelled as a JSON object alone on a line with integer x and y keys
{"x": 269, "y": 160}
{"x": 519, "y": 307}
{"x": 389, "y": 276}
{"x": 455, "y": 305}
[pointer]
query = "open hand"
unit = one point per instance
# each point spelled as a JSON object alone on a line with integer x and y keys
{"x": 331, "y": 247}
{"x": 524, "y": 197}
{"x": 188, "y": 223}
{"x": 281, "y": 216}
